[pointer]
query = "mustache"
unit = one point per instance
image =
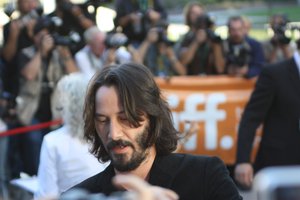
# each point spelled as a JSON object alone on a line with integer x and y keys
{"x": 114, "y": 143}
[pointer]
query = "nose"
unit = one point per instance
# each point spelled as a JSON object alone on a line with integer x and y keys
{"x": 115, "y": 130}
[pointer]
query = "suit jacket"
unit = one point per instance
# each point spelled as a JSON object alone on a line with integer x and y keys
{"x": 275, "y": 102}
{"x": 191, "y": 177}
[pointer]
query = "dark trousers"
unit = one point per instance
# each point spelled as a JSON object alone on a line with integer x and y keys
{"x": 25, "y": 150}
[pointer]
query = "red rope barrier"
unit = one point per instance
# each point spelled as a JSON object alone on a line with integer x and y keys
{"x": 34, "y": 127}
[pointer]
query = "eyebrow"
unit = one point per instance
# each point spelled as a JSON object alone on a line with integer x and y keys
{"x": 101, "y": 115}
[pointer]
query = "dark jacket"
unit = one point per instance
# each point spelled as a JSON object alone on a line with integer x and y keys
{"x": 191, "y": 177}
{"x": 275, "y": 102}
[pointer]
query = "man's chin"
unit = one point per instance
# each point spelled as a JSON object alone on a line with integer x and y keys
{"x": 124, "y": 163}
{"x": 125, "y": 166}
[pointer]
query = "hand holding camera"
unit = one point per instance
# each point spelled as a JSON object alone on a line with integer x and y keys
{"x": 47, "y": 44}
{"x": 201, "y": 36}
{"x": 204, "y": 23}
{"x": 152, "y": 36}
{"x": 153, "y": 15}
{"x": 15, "y": 28}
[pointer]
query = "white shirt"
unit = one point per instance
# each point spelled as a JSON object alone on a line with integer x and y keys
{"x": 64, "y": 162}
{"x": 297, "y": 59}
{"x": 88, "y": 63}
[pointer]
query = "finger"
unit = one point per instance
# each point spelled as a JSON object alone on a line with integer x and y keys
{"x": 248, "y": 179}
{"x": 166, "y": 193}
{"x": 135, "y": 185}
{"x": 130, "y": 182}
{"x": 244, "y": 178}
{"x": 239, "y": 177}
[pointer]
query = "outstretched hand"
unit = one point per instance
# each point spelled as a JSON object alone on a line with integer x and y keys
{"x": 140, "y": 189}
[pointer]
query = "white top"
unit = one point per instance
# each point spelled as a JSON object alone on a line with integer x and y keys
{"x": 297, "y": 59}
{"x": 88, "y": 63}
{"x": 64, "y": 162}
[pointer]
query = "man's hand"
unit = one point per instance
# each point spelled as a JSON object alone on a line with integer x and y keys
{"x": 30, "y": 27}
{"x": 243, "y": 174}
{"x": 47, "y": 44}
{"x": 201, "y": 36}
{"x": 140, "y": 189}
{"x": 153, "y": 15}
{"x": 15, "y": 28}
{"x": 152, "y": 35}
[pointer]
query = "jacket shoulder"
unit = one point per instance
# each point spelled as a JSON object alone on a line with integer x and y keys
{"x": 90, "y": 184}
{"x": 278, "y": 67}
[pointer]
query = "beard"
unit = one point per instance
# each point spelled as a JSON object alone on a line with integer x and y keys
{"x": 121, "y": 162}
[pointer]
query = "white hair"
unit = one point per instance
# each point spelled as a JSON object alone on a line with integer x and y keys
{"x": 91, "y": 32}
{"x": 70, "y": 94}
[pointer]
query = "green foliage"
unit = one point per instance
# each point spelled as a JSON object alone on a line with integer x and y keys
{"x": 291, "y": 11}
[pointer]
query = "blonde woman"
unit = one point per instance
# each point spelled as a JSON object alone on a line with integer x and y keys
{"x": 65, "y": 159}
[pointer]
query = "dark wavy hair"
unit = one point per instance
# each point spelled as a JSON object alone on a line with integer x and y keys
{"x": 139, "y": 95}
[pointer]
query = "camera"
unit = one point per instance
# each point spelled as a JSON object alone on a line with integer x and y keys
{"x": 278, "y": 183}
{"x": 237, "y": 54}
{"x": 279, "y": 24}
{"x": 279, "y": 34}
{"x": 163, "y": 38}
{"x": 33, "y": 14}
{"x": 71, "y": 40}
{"x": 7, "y": 107}
{"x": 116, "y": 40}
{"x": 206, "y": 23}
{"x": 52, "y": 24}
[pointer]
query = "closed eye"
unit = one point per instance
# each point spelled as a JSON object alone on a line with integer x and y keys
{"x": 102, "y": 120}
{"x": 124, "y": 120}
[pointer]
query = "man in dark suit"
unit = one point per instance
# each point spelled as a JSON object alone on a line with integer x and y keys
{"x": 130, "y": 124}
{"x": 275, "y": 102}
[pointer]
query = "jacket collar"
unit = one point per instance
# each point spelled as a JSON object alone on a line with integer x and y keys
{"x": 162, "y": 173}
{"x": 164, "y": 170}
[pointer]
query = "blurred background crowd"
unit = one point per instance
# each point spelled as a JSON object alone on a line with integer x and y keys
{"x": 39, "y": 48}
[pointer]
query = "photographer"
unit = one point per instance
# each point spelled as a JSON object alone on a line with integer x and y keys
{"x": 279, "y": 47}
{"x": 201, "y": 50}
{"x": 41, "y": 66}
{"x": 74, "y": 19}
{"x": 137, "y": 17}
{"x": 17, "y": 34}
{"x": 244, "y": 55}
{"x": 157, "y": 53}
{"x": 100, "y": 50}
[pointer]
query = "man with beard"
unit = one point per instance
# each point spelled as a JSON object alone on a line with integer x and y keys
{"x": 129, "y": 123}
